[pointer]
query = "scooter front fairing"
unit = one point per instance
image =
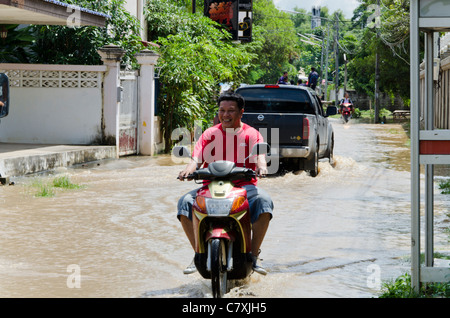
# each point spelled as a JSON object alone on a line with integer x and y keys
{"x": 221, "y": 211}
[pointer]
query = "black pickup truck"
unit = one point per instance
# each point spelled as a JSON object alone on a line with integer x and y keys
{"x": 291, "y": 119}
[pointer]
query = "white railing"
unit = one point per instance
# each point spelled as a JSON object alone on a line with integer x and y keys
{"x": 53, "y": 76}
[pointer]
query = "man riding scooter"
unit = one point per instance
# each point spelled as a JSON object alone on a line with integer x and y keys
{"x": 230, "y": 140}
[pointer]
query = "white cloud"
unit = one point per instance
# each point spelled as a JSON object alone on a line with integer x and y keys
{"x": 347, "y": 6}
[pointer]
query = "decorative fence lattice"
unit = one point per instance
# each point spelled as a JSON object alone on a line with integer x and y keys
{"x": 53, "y": 79}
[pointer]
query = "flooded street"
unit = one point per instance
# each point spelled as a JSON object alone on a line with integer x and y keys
{"x": 118, "y": 236}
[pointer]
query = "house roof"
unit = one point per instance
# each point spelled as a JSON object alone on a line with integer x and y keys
{"x": 47, "y": 12}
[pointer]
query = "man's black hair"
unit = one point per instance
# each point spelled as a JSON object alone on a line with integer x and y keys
{"x": 231, "y": 95}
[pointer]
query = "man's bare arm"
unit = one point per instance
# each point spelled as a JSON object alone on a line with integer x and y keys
{"x": 261, "y": 166}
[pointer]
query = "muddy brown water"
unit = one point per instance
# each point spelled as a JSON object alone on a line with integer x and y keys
{"x": 336, "y": 235}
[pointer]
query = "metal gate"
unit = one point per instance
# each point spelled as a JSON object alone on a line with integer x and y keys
{"x": 128, "y": 114}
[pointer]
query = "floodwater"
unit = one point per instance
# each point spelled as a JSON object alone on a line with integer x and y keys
{"x": 336, "y": 235}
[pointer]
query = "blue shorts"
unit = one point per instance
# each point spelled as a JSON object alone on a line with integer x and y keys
{"x": 258, "y": 199}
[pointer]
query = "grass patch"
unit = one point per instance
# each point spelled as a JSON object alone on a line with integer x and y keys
{"x": 369, "y": 115}
{"x": 48, "y": 189}
{"x": 401, "y": 288}
{"x": 44, "y": 190}
{"x": 65, "y": 183}
{"x": 445, "y": 187}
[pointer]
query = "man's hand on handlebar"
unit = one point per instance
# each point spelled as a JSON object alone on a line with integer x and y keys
{"x": 183, "y": 175}
{"x": 261, "y": 172}
{"x": 190, "y": 168}
{"x": 261, "y": 167}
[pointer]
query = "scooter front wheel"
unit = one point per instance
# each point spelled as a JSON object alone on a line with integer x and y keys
{"x": 218, "y": 268}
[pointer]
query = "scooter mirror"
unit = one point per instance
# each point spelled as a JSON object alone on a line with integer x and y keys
{"x": 181, "y": 152}
{"x": 4, "y": 95}
{"x": 262, "y": 148}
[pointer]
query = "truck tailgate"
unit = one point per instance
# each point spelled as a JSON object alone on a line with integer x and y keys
{"x": 288, "y": 126}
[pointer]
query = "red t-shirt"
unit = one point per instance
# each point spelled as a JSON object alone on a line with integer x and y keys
{"x": 233, "y": 145}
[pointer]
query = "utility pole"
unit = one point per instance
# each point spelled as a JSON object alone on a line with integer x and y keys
{"x": 345, "y": 73}
{"x": 326, "y": 63}
{"x": 193, "y": 6}
{"x": 336, "y": 56}
{"x": 321, "y": 64}
{"x": 377, "y": 75}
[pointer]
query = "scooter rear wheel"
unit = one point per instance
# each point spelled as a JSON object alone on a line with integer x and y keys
{"x": 218, "y": 268}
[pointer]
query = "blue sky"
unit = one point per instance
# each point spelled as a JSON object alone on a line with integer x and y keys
{"x": 347, "y": 6}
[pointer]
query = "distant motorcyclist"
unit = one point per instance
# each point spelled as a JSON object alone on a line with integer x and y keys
{"x": 346, "y": 100}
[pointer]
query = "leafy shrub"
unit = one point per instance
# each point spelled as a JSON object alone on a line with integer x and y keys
{"x": 79, "y": 45}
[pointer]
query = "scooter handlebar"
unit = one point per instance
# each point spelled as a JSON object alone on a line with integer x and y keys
{"x": 205, "y": 174}
{"x": 189, "y": 176}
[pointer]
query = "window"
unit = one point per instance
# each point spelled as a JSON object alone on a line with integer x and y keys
{"x": 276, "y": 100}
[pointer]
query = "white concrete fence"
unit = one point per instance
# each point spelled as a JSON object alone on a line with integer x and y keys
{"x": 78, "y": 104}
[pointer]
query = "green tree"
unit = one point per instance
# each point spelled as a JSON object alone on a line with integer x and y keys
{"x": 310, "y": 55}
{"x": 276, "y": 48}
{"x": 196, "y": 54}
{"x": 392, "y": 45}
{"x": 79, "y": 45}
{"x": 13, "y": 49}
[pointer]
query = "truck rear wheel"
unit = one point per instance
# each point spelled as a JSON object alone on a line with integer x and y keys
{"x": 315, "y": 171}
{"x": 331, "y": 153}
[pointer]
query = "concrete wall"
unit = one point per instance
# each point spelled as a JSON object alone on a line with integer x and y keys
{"x": 53, "y": 104}
{"x": 81, "y": 105}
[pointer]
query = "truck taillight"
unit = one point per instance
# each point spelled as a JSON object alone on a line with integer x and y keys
{"x": 305, "y": 128}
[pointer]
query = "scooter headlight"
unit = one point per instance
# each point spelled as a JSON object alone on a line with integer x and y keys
{"x": 218, "y": 207}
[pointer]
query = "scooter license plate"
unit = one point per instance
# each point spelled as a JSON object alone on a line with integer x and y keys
{"x": 218, "y": 207}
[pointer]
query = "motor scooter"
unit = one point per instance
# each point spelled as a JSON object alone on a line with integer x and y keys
{"x": 221, "y": 221}
{"x": 346, "y": 111}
